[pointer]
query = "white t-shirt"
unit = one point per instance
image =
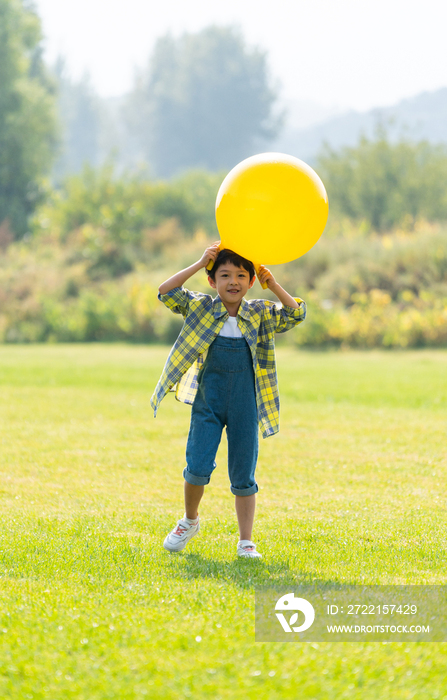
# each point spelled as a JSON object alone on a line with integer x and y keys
{"x": 230, "y": 328}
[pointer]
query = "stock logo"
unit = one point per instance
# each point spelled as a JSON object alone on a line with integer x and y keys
{"x": 291, "y": 603}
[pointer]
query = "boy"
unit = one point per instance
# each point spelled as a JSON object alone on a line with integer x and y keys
{"x": 235, "y": 386}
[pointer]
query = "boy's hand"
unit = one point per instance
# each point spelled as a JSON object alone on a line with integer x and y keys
{"x": 210, "y": 254}
{"x": 265, "y": 276}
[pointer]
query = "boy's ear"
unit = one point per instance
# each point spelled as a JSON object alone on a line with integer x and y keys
{"x": 211, "y": 282}
{"x": 253, "y": 280}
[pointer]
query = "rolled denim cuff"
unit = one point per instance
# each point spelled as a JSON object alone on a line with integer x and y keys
{"x": 244, "y": 492}
{"x": 196, "y": 480}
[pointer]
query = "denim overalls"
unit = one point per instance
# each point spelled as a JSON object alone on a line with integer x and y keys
{"x": 226, "y": 397}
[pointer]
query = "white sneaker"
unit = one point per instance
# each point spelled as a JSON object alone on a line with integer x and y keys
{"x": 179, "y": 537}
{"x": 245, "y": 548}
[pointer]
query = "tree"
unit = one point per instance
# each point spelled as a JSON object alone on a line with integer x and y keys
{"x": 205, "y": 101}
{"x": 387, "y": 184}
{"x": 80, "y": 116}
{"x": 27, "y": 115}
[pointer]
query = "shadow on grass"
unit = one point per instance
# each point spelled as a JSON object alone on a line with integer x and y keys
{"x": 243, "y": 573}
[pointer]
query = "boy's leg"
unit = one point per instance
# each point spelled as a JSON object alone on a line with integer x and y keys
{"x": 203, "y": 441}
{"x": 242, "y": 433}
{"x": 193, "y": 496}
{"x": 205, "y": 432}
{"x": 245, "y": 511}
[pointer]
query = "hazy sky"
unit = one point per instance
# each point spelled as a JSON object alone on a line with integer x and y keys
{"x": 350, "y": 53}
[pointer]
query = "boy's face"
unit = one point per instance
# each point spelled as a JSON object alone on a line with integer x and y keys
{"x": 231, "y": 282}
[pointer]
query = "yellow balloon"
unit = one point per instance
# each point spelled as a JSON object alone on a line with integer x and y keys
{"x": 271, "y": 208}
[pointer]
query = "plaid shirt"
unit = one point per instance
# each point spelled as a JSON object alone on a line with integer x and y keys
{"x": 258, "y": 320}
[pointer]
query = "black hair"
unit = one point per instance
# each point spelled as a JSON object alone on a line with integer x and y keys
{"x": 227, "y": 255}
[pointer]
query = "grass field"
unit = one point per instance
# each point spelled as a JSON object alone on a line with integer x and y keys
{"x": 353, "y": 489}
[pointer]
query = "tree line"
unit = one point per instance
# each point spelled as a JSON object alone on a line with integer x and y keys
{"x": 203, "y": 102}
{"x": 387, "y": 184}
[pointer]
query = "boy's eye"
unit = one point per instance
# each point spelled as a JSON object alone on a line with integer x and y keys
{"x": 241, "y": 274}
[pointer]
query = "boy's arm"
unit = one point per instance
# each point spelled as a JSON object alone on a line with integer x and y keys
{"x": 295, "y": 311}
{"x": 266, "y": 277}
{"x": 180, "y": 278}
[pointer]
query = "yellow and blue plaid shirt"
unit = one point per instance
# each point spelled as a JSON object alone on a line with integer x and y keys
{"x": 258, "y": 321}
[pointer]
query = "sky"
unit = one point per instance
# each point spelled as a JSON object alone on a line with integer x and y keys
{"x": 338, "y": 54}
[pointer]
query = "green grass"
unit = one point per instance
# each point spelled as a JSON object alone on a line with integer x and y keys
{"x": 353, "y": 489}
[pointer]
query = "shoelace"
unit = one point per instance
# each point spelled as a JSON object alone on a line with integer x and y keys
{"x": 180, "y": 530}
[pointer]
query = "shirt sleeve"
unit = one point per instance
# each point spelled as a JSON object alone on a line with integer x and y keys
{"x": 178, "y": 299}
{"x": 286, "y": 317}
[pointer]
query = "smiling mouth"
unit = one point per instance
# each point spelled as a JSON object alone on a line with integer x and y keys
{"x": 233, "y": 291}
